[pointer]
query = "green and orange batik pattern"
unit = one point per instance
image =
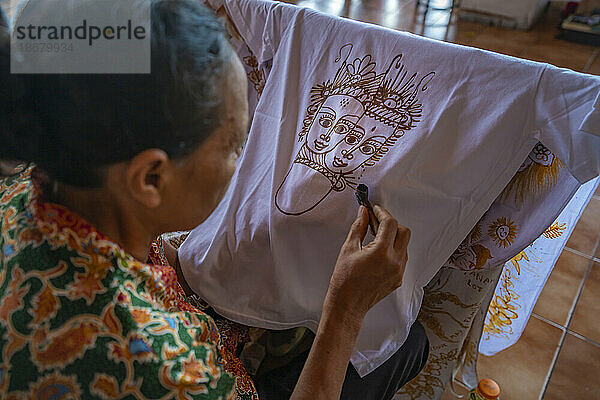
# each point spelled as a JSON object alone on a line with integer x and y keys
{"x": 81, "y": 318}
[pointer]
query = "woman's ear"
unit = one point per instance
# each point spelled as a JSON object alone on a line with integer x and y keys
{"x": 146, "y": 176}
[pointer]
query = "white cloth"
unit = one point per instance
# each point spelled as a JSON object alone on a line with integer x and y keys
{"x": 435, "y": 130}
{"x": 525, "y": 275}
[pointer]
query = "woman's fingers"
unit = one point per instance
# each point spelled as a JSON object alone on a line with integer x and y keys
{"x": 392, "y": 235}
{"x": 390, "y": 231}
{"x": 359, "y": 228}
{"x": 377, "y": 269}
{"x": 388, "y": 227}
{"x": 402, "y": 239}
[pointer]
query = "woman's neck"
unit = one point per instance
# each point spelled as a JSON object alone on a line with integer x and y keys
{"x": 108, "y": 216}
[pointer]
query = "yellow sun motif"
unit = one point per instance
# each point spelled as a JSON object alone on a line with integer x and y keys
{"x": 503, "y": 231}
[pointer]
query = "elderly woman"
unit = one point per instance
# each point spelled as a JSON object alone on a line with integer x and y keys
{"x": 114, "y": 161}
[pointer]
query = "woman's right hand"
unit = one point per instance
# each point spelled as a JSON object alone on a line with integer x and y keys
{"x": 364, "y": 275}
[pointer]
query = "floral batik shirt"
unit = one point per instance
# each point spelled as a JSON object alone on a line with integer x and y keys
{"x": 81, "y": 318}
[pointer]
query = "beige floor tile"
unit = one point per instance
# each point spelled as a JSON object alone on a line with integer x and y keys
{"x": 577, "y": 371}
{"x": 506, "y": 41}
{"x": 586, "y": 320}
{"x": 560, "y": 53}
{"x": 586, "y": 232}
{"x": 562, "y": 287}
{"x": 595, "y": 70}
{"x": 464, "y": 32}
{"x": 521, "y": 369}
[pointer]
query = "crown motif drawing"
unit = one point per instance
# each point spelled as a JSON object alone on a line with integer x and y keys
{"x": 351, "y": 122}
{"x": 390, "y": 97}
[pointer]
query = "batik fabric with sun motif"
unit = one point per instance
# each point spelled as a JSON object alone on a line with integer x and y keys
{"x": 519, "y": 215}
{"x": 81, "y": 318}
{"x": 476, "y": 305}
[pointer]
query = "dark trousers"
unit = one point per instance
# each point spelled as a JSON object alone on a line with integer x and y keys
{"x": 380, "y": 384}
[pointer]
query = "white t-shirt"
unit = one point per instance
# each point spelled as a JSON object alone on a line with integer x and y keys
{"x": 435, "y": 130}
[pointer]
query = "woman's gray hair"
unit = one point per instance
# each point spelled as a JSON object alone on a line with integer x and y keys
{"x": 72, "y": 125}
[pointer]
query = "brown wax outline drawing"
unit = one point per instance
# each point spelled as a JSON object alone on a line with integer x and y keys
{"x": 390, "y": 98}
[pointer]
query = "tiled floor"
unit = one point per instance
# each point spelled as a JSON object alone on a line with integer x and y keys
{"x": 558, "y": 355}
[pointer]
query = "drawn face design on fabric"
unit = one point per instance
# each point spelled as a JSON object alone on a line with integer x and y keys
{"x": 352, "y": 121}
{"x": 363, "y": 142}
{"x": 335, "y": 119}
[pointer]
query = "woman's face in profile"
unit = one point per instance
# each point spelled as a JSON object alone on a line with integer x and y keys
{"x": 206, "y": 173}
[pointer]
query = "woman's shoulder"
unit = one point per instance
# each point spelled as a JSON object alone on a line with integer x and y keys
{"x": 70, "y": 298}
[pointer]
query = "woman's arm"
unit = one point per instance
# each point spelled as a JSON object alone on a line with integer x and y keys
{"x": 362, "y": 277}
{"x": 325, "y": 368}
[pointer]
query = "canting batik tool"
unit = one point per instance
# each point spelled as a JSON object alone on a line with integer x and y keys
{"x": 362, "y": 196}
